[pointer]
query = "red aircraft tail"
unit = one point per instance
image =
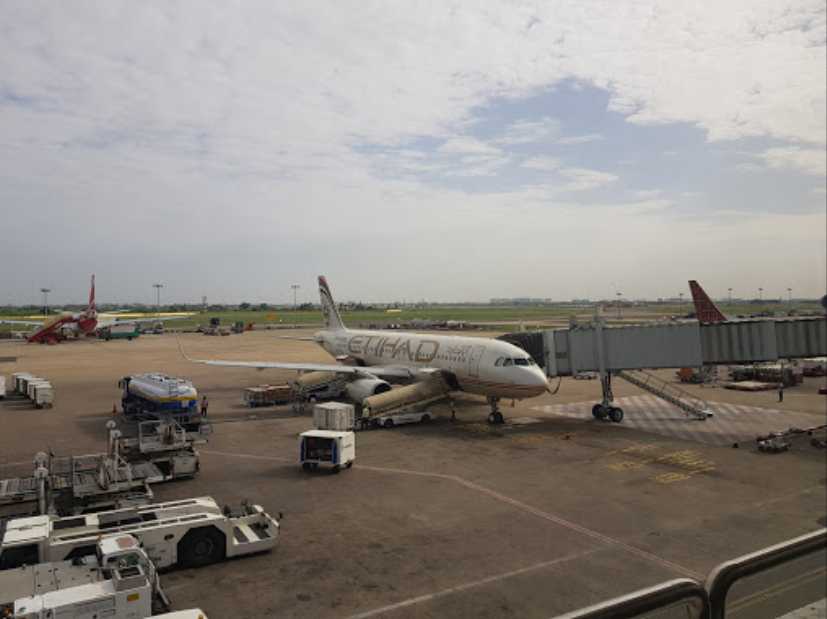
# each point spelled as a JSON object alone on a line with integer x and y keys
{"x": 705, "y": 309}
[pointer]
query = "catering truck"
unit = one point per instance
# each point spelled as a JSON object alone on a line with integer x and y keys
{"x": 329, "y": 448}
{"x": 116, "y": 580}
{"x": 185, "y": 533}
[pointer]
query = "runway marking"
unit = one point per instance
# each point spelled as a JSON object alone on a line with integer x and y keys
{"x": 469, "y": 585}
{"x": 732, "y": 423}
{"x": 605, "y": 539}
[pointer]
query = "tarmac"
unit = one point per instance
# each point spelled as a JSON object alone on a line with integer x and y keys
{"x": 548, "y": 513}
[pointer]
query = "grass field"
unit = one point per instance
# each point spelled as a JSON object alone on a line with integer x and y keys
{"x": 483, "y": 314}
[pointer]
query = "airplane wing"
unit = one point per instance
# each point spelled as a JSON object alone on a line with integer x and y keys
{"x": 21, "y": 322}
{"x": 357, "y": 370}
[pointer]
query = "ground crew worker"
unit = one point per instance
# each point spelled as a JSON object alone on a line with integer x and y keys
{"x": 781, "y": 392}
{"x": 204, "y": 405}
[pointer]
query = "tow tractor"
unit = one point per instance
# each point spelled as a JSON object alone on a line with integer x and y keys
{"x": 185, "y": 533}
{"x": 117, "y": 580}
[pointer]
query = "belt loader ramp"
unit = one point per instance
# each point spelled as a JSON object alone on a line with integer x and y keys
{"x": 380, "y": 409}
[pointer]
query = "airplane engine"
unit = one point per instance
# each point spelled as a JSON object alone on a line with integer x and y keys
{"x": 361, "y": 388}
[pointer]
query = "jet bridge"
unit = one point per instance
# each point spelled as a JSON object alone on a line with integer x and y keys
{"x": 626, "y": 351}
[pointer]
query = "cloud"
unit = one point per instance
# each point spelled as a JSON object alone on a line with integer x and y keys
{"x": 580, "y": 139}
{"x": 527, "y": 131}
{"x": 542, "y": 163}
{"x": 582, "y": 179}
{"x": 807, "y": 160}
{"x": 645, "y": 194}
{"x": 467, "y": 144}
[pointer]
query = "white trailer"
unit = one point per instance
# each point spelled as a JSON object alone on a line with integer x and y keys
{"x": 17, "y": 382}
{"x": 43, "y": 395}
{"x": 186, "y": 533}
{"x": 327, "y": 448}
{"x": 118, "y": 580}
{"x": 2, "y": 387}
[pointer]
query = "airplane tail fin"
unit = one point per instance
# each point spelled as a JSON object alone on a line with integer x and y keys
{"x": 91, "y": 307}
{"x": 705, "y": 309}
{"x": 332, "y": 320}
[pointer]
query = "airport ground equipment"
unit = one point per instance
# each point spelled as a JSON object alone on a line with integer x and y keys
{"x": 185, "y": 533}
{"x": 690, "y": 404}
{"x": 398, "y": 419}
{"x": 17, "y": 382}
{"x": 380, "y": 408}
{"x": 191, "y": 613}
{"x": 126, "y": 331}
{"x": 267, "y": 395}
{"x": 2, "y": 387}
{"x": 338, "y": 416}
{"x": 327, "y": 448}
{"x": 42, "y": 394}
{"x": 120, "y": 477}
{"x": 159, "y": 396}
{"x": 116, "y": 580}
{"x": 312, "y": 387}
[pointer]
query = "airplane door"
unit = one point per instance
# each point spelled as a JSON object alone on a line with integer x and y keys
{"x": 474, "y": 360}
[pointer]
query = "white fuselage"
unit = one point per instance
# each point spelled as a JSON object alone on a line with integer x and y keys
{"x": 483, "y": 366}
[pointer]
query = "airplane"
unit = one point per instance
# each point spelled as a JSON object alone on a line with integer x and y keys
{"x": 88, "y": 321}
{"x": 483, "y": 366}
{"x": 705, "y": 310}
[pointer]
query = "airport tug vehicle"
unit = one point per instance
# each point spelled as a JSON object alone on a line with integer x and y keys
{"x": 116, "y": 580}
{"x": 185, "y": 533}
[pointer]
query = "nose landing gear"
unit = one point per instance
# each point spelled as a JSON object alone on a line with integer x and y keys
{"x": 496, "y": 417}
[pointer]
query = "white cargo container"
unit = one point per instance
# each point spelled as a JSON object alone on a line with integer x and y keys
{"x": 338, "y": 416}
{"x": 32, "y": 384}
{"x": 19, "y": 382}
{"x": 44, "y": 395}
{"x": 327, "y": 447}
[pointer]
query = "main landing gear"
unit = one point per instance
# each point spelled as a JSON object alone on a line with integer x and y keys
{"x": 605, "y": 411}
{"x": 496, "y": 417}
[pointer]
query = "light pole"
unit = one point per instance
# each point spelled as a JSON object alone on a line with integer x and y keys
{"x": 158, "y": 297}
{"x": 45, "y": 292}
{"x": 680, "y": 296}
{"x": 789, "y": 295}
{"x": 730, "y": 295}
{"x": 295, "y": 288}
{"x": 760, "y": 294}
{"x": 619, "y": 294}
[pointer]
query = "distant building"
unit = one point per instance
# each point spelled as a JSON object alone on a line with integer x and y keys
{"x": 520, "y": 301}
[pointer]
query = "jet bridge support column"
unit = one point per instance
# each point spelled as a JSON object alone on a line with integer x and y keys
{"x": 604, "y": 411}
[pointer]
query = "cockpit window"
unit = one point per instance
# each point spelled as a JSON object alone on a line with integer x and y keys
{"x": 519, "y": 361}
{"x": 508, "y": 361}
{"x": 499, "y": 361}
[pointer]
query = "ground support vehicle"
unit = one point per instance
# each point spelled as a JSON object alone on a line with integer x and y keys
{"x": 2, "y": 387}
{"x": 43, "y": 394}
{"x": 125, "y": 331}
{"x": 267, "y": 395}
{"x": 312, "y": 387}
{"x": 185, "y": 533}
{"x": 117, "y": 579}
{"x": 158, "y": 396}
{"x": 121, "y": 477}
{"x": 17, "y": 382}
{"x": 401, "y": 405}
{"x": 327, "y": 448}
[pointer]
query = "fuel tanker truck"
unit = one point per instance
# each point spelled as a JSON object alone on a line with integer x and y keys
{"x": 158, "y": 396}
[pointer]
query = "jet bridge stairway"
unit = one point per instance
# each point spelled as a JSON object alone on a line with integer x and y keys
{"x": 691, "y": 405}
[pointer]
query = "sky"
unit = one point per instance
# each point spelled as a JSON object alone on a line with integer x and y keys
{"x": 437, "y": 151}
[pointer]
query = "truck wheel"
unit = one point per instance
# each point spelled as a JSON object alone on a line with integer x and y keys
{"x": 349, "y": 464}
{"x": 201, "y": 546}
{"x": 388, "y": 423}
{"x": 426, "y": 418}
{"x": 335, "y": 469}
{"x": 306, "y": 466}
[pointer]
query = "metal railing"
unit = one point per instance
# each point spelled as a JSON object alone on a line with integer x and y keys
{"x": 704, "y": 601}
